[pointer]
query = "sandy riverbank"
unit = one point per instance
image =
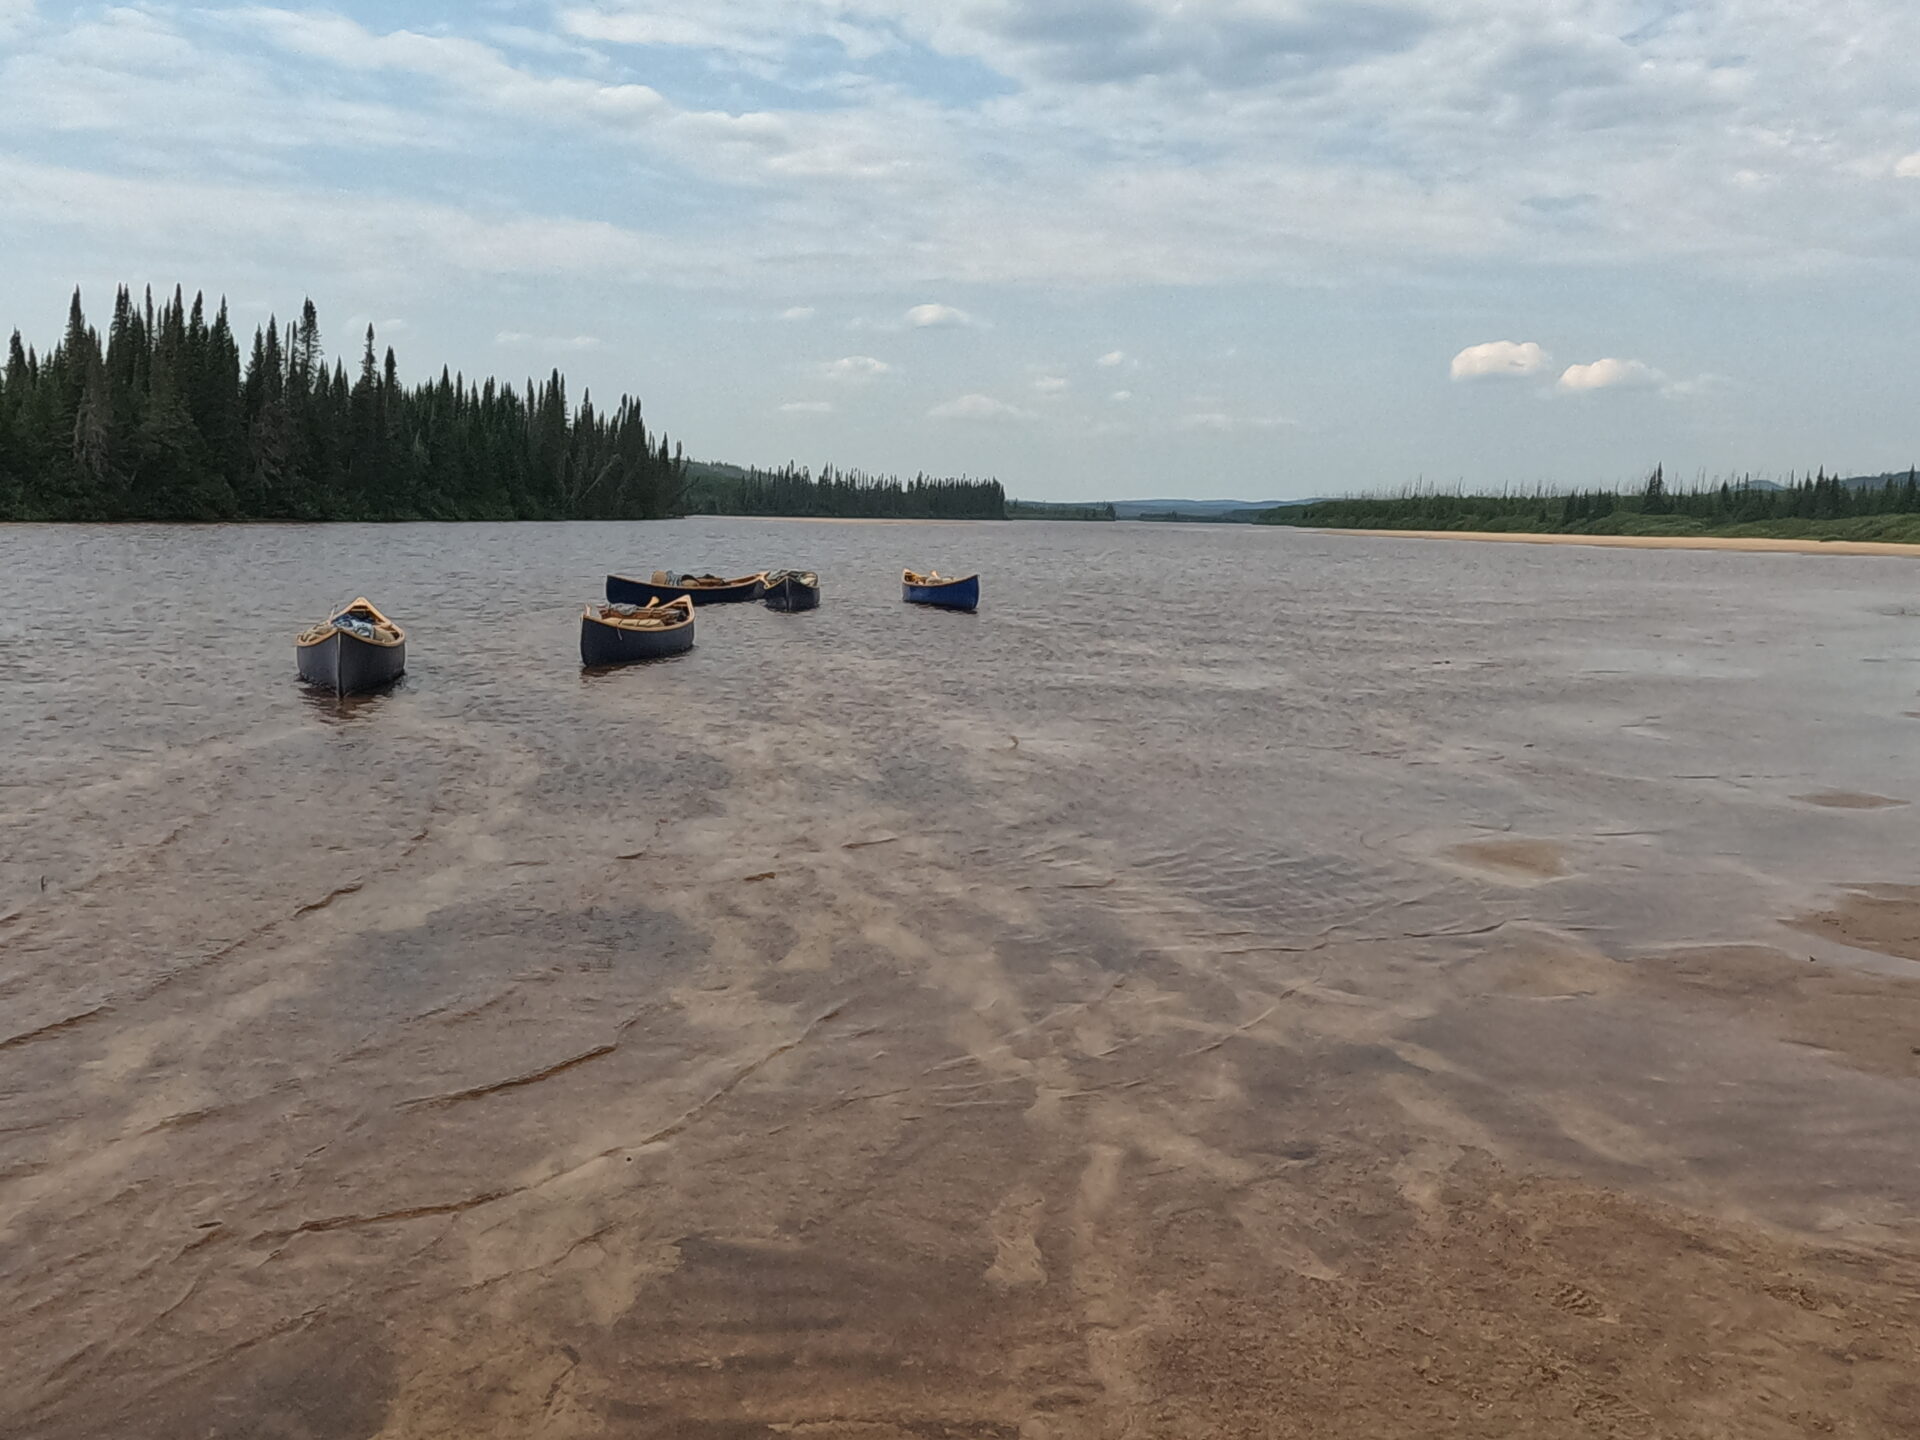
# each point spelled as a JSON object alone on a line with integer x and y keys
{"x": 1657, "y": 542}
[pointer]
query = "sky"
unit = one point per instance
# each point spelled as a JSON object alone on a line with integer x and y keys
{"x": 1100, "y": 249}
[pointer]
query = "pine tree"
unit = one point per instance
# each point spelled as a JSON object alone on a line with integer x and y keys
{"x": 1655, "y": 500}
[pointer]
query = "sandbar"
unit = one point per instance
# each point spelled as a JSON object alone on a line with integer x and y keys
{"x": 1658, "y": 542}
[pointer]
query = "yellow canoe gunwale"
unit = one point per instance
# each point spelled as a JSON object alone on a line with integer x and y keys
{"x": 320, "y": 634}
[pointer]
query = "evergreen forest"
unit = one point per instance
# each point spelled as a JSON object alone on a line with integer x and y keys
{"x": 840, "y": 494}
{"x": 163, "y": 419}
{"x": 1820, "y": 505}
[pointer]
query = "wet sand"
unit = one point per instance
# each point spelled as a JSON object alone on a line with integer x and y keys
{"x": 1658, "y": 542}
{"x": 1477, "y": 1003}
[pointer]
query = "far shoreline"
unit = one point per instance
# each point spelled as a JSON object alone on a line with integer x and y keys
{"x": 1655, "y": 542}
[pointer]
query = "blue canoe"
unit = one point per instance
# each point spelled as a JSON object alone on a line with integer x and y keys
{"x": 356, "y": 649}
{"x": 701, "y": 589}
{"x": 931, "y": 589}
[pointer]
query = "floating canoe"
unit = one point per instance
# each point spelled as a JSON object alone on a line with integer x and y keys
{"x": 792, "y": 590}
{"x": 356, "y": 649}
{"x": 701, "y": 589}
{"x": 622, "y": 634}
{"x": 935, "y": 589}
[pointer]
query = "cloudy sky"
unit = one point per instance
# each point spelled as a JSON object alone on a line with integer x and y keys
{"x": 1100, "y": 248}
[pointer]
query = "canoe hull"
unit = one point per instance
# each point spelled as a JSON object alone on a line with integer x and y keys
{"x": 948, "y": 595}
{"x": 791, "y": 594}
{"x": 622, "y": 591}
{"x": 603, "y": 644}
{"x": 347, "y": 665}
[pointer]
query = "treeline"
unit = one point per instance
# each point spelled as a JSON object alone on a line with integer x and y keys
{"x": 1054, "y": 510}
{"x": 163, "y": 420}
{"x": 1802, "y": 505}
{"x": 841, "y": 494}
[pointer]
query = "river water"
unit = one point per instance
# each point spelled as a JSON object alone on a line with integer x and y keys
{"x": 1238, "y": 982}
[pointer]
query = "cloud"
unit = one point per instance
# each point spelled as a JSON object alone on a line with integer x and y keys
{"x": 357, "y": 325}
{"x": 1439, "y": 132}
{"x": 797, "y": 312}
{"x": 475, "y": 71}
{"x": 807, "y": 407}
{"x": 1050, "y": 384}
{"x": 15, "y": 16}
{"x": 1707, "y": 383}
{"x": 978, "y": 407}
{"x": 1119, "y": 397}
{"x": 307, "y": 228}
{"x": 1609, "y": 374}
{"x": 1209, "y": 47}
{"x": 1112, "y": 358}
{"x": 1501, "y": 358}
{"x": 1908, "y": 167}
{"x": 924, "y": 317}
{"x": 856, "y": 367}
{"x": 1221, "y": 422}
{"x": 520, "y": 339}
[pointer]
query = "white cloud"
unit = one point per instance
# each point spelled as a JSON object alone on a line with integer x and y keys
{"x": 1221, "y": 422}
{"x": 923, "y": 317}
{"x": 978, "y": 407}
{"x": 1703, "y": 384}
{"x": 856, "y": 367}
{"x": 1119, "y": 397}
{"x": 1502, "y": 358}
{"x": 15, "y": 16}
{"x": 1908, "y": 167}
{"x": 807, "y": 407}
{"x": 357, "y": 325}
{"x": 475, "y": 71}
{"x": 305, "y": 228}
{"x": 1482, "y": 129}
{"x": 701, "y": 27}
{"x": 1050, "y": 384}
{"x": 1112, "y": 358}
{"x": 1610, "y": 374}
{"x": 520, "y": 339}
{"x": 797, "y": 312}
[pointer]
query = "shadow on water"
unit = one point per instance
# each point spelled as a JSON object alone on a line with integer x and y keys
{"x": 335, "y": 709}
{"x": 590, "y": 673}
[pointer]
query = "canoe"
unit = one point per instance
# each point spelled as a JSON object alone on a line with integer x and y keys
{"x": 935, "y": 589}
{"x": 354, "y": 649}
{"x": 622, "y": 634}
{"x": 792, "y": 590}
{"x": 701, "y": 589}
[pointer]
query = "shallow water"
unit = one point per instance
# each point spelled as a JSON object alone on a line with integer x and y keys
{"x": 841, "y": 1024}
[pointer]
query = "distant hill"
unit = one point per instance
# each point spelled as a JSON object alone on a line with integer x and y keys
{"x": 1190, "y": 507}
{"x": 1229, "y": 511}
{"x": 1873, "y": 482}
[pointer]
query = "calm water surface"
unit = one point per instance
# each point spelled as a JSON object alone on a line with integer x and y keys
{"x": 829, "y": 1022}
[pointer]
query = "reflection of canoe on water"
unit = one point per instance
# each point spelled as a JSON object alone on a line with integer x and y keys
{"x": 701, "y": 589}
{"x": 622, "y": 634}
{"x": 356, "y": 649}
{"x": 934, "y": 589}
{"x": 792, "y": 590}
